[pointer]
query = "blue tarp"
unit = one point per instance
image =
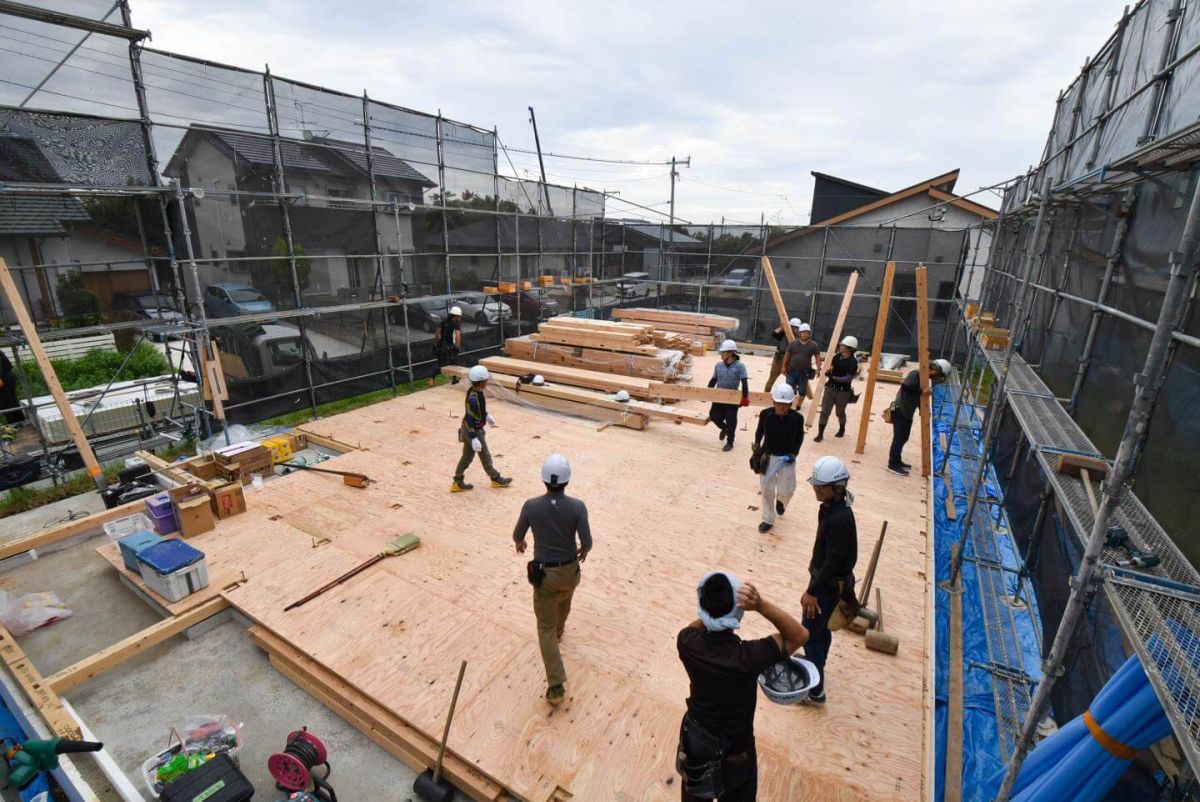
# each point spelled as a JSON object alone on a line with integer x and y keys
{"x": 10, "y": 728}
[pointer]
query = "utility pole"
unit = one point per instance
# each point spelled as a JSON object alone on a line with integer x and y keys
{"x": 538, "y": 144}
{"x": 675, "y": 175}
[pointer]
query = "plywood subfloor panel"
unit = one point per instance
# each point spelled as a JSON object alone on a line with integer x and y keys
{"x": 666, "y": 506}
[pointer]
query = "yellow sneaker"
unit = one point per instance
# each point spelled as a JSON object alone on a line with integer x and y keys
{"x": 501, "y": 481}
{"x": 458, "y": 487}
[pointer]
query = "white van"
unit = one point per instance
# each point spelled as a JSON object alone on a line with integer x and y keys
{"x": 634, "y": 285}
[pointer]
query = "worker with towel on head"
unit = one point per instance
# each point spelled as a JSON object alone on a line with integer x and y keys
{"x": 798, "y": 361}
{"x": 831, "y": 570}
{"x": 557, "y": 520}
{"x": 902, "y": 410}
{"x": 729, "y": 374}
{"x": 472, "y": 436}
{"x": 781, "y": 344}
{"x": 779, "y": 435}
{"x": 717, "y": 758}
{"x": 838, "y": 387}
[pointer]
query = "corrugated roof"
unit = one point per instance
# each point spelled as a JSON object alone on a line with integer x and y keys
{"x": 258, "y": 150}
{"x": 22, "y": 160}
{"x": 37, "y": 215}
{"x": 384, "y": 163}
{"x": 664, "y": 233}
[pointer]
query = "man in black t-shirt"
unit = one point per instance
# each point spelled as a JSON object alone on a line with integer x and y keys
{"x": 447, "y": 340}
{"x": 904, "y": 408}
{"x": 718, "y": 759}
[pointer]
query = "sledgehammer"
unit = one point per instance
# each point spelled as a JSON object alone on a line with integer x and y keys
{"x": 878, "y": 640}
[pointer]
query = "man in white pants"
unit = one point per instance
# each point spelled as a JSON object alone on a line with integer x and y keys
{"x": 781, "y": 432}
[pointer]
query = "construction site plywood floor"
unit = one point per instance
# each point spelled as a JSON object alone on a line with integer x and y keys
{"x": 666, "y": 506}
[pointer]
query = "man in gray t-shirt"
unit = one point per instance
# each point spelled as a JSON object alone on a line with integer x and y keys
{"x": 557, "y": 520}
{"x": 798, "y": 362}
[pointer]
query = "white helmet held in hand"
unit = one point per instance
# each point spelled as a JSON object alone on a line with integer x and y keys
{"x": 622, "y": 396}
{"x": 828, "y": 471}
{"x": 783, "y": 394}
{"x": 943, "y": 365}
{"x": 455, "y": 310}
{"x": 727, "y": 345}
{"x": 538, "y": 380}
{"x": 805, "y": 327}
{"x": 795, "y": 323}
{"x": 478, "y": 374}
{"x": 850, "y": 341}
{"x": 556, "y": 470}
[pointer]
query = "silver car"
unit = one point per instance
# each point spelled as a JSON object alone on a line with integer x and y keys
{"x": 485, "y": 310}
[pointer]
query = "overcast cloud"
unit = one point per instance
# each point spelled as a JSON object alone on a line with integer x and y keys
{"x": 758, "y": 94}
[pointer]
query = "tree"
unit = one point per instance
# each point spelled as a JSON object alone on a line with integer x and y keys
{"x": 80, "y": 305}
{"x": 281, "y": 268}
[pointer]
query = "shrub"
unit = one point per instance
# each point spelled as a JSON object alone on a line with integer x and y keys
{"x": 98, "y": 368}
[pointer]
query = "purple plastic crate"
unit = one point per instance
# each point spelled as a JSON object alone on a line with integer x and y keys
{"x": 164, "y": 524}
{"x": 158, "y": 505}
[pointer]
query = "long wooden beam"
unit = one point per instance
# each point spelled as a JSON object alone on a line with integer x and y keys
{"x": 778, "y": 299}
{"x": 885, "y": 300}
{"x": 41, "y": 695}
{"x": 838, "y": 325}
{"x": 711, "y": 395}
{"x": 70, "y": 530}
{"x": 43, "y": 362}
{"x": 79, "y": 673}
{"x": 923, "y": 366}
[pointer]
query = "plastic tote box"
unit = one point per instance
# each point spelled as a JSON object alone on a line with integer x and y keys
{"x": 130, "y": 545}
{"x": 218, "y": 780}
{"x": 173, "y": 569}
{"x": 162, "y": 514}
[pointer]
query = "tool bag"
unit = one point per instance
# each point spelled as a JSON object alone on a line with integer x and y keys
{"x": 759, "y": 460}
{"x": 847, "y": 607}
{"x": 889, "y": 412}
{"x": 535, "y": 572}
{"x": 699, "y": 760}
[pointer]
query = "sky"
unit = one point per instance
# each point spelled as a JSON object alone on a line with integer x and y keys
{"x": 756, "y": 94}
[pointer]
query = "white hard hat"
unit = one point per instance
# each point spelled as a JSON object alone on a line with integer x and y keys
{"x": 795, "y": 323}
{"x": 828, "y": 470}
{"x": 944, "y": 366}
{"x": 539, "y": 379}
{"x": 805, "y": 327}
{"x": 556, "y": 470}
{"x": 728, "y": 345}
{"x": 454, "y": 310}
{"x": 850, "y": 341}
{"x": 478, "y": 374}
{"x": 783, "y": 394}
{"x": 789, "y": 682}
{"x": 622, "y": 396}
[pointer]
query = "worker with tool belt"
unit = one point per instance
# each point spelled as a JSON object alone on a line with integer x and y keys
{"x": 717, "y": 758}
{"x": 447, "y": 340}
{"x": 557, "y": 520}
{"x": 838, "y": 390}
{"x": 831, "y": 570}
{"x": 799, "y": 358}
{"x": 778, "y": 438}
{"x": 781, "y": 344}
{"x": 471, "y": 434}
{"x": 729, "y": 374}
{"x": 902, "y": 410}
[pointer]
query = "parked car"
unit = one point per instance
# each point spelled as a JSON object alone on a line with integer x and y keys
{"x": 146, "y": 306}
{"x": 228, "y": 300}
{"x": 426, "y": 314}
{"x": 534, "y": 304}
{"x": 738, "y": 277}
{"x": 634, "y": 285}
{"x": 251, "y": 351}
{"x": 484, "y": 309}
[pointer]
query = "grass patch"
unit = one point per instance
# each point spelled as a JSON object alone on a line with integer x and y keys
{"x": 97, "y": 368}
{"x": 985, "y": 389}
{"x": 348, "y": 404}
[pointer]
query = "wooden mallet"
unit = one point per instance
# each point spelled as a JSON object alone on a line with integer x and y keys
{"x": 1085, "y": 469}
{"x": 866, "y": 617}
{"x": 878, "y": 640}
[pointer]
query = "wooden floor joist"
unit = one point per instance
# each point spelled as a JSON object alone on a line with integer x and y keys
{"x": 656, "y": 316}
{"x": 575, "y": 377}
{"x": 36, "y": 689}
{"x": 709, "y": 395}
{"x": 80, "y": 526}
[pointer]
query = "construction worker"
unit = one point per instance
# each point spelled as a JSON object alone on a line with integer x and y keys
{"x": 838, "y": 390}
{"x": 717, "y": 758}
{"x": 781, "y": 344}
{"x": 908, "y": 400}
{"x": 10, "y": 406}
{"x": 799, "y": 358}
{"x": 556, "y": 520}
{"x": 729, "y": 374}
{"x": 447, "y": 340}
{"x": 471, "y": 434}
{"x": 831, "y": 570}
{"x": 781, "y": 432}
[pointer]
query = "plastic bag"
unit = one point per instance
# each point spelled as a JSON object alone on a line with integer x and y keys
{"x": 206, "y": 734}
{"x": 21, "y": 615}
{"x": 238, "y": 434}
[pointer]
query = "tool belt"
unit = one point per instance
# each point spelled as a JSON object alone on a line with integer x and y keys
{"x": 700, "y": 760}
{"x": 759, "y": 460}
{"x": 535, "y": 572}
{"x": 848, "y": 605}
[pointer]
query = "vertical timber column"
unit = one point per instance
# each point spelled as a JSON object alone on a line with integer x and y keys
{"x": 885, "y": 300}
{"x": 923, "y": 365}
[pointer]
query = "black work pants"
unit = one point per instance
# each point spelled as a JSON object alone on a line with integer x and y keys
{"x": 741, "y": 780}
{"x": 901, "y": 429}
{"x": 816, "y": 648}
{"x": 725, "y": 416}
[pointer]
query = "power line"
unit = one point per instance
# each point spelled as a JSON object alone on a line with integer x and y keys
{"x": 592, "y": 158}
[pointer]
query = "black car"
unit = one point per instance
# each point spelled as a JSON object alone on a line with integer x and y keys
{"x": 425, "y": 314}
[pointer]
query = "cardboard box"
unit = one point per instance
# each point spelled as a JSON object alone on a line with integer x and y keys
{"x": 195, "y": 516}
{"x": 203, "y": 467}
{"x": 228, "y": 500}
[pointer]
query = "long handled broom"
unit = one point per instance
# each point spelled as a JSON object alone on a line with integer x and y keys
{"x": 395, "y": 547}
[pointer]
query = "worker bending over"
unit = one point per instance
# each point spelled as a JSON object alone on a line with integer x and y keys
{"x": 908, "y": 401}
{"x": 831, "y": 570}
{"x": 717, "y": 757}
{"x": 781, "y": 344}
{"x": 729, "y": 374}
{"x": 781, "y": 432}
{"x": 556, "y": 520}
{"x": 447, "y": 340}
{"x": 471, "y": 434}
{"x": 798, "y": 361}
{"x": 838, "y": 390}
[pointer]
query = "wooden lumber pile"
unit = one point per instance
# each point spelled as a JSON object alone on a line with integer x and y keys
{"x": 696, "y": 324}
{"x": 661, "y": 364}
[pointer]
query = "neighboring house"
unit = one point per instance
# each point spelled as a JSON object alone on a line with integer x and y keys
{"x": 56, "y": 230}
{"x": 641, "y": 246}
{"x": 338, "y": 235}
{"x": 473, "y": 251}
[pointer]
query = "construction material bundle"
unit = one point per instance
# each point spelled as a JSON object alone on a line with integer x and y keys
{"x": 620, "y": 348}
{"x": 695, "y": 325}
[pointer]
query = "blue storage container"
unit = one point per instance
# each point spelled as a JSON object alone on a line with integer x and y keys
{"x": 132, "y": 545}
{"x": 169, "y": 556}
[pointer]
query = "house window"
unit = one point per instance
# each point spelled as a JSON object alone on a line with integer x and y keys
{"x": 353, "y": 274}
{"x": 339, "y": 192}
{"x": 232, "y": 255}
{"x": 398, "y": 198}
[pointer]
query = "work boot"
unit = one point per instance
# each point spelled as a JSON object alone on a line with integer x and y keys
{"x": 764, "y": 527}
{"x": 820, "y": 434}
{"x": 815, "y": 698}
{"x": 779, "y": 508}
{"x": 899, "y": 470}
{"x": 458, "y": 487}
{"x": 728, "y": 446}
{"x": 555, "y": 695}
{"x": 721, "y": 434}
{"x": 905, "y": 465}
{"x": 501, "y": 481}
{"x": 841, "y": 432}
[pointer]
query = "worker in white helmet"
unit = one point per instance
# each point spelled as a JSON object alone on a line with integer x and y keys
{"x": 472, "y": 436}
{"x": 781, "y": 344}
{"x": 831, "y": 569}
{"x": 798, "y": 361}
{"x": 908, "y": 401}
{"x": 447, "y": 340}
{"x": 780, "y": 432}
{"x": 729, "y": 374}
{"x": 557, "y": 520}
{"x": 838, "y": 388}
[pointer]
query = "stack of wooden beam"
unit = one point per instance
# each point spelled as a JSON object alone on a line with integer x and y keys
{"x": 693, "y": 324}
{"x": 626, "y": 349}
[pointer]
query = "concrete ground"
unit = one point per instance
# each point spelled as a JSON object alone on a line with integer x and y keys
{"x": 133, "y": 706}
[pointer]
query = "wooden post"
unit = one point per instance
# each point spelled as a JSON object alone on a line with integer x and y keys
{"x": 954, "y": 712}
{"x": 56, "y": 390}
{"x": 778, "y": 299}
{"x": 885, "y": 300}
{"x": 833, "y": 346}
{"x": 923, "y": 365}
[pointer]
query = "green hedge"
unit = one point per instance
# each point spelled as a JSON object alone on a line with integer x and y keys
{"x": 98, "y": 368}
